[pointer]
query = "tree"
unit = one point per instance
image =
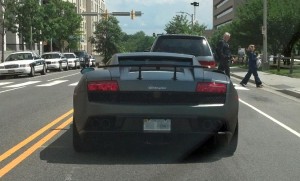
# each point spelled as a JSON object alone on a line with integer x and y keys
{"x": 61, "y": 22}
{"x": 29, "y": 20}
{"x": 7, "y": 20}
{"x": 137, "y": 42}
{"x": 107, "y": 37}
{"x": 181, "y": 25}
{"x": 283, "y": 24}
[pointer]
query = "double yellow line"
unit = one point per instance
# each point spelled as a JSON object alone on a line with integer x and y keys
{"x": 37, "y": 145}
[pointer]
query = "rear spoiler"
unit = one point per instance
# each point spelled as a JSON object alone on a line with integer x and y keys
{"x": 154, "y": 65}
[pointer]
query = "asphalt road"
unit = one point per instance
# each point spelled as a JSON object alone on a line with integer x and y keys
{"x": 36, "y": 139}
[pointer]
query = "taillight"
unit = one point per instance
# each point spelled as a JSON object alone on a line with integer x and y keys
{"x": 208, "y": 64}
{"x": 103, "y": 86}
{"x": 211, "y": 87}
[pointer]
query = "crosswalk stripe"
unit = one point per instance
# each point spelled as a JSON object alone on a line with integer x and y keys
{"x": 5, "y": 83}
{"x": 52, "y": 83}
{"x": 74, "y": 84}
{"x": 22, "y": 84}
{"x": 237, "y": 87}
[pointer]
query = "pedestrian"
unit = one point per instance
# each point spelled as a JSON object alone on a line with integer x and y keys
{"x": 224, "y": 54}
{"x": 252, "y": 68}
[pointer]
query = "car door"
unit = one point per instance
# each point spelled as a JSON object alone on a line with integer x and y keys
{"x": 39, "y": 62}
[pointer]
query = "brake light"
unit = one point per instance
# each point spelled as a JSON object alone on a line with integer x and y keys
{"x": 209, "y": 64}
{"x": 211, "y": 87}
{"x": 103, "y": 86}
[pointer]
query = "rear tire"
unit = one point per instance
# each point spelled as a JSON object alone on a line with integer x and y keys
{"x": 78, "y": 144}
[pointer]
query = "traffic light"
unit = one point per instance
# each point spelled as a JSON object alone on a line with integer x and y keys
{"x": 132, "y": 14}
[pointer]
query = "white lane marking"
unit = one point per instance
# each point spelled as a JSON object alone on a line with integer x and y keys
{"x": 272, "y": 119}
{"x": 209, "y": 105}
{"x": 74, "y": 84}
{"x": 10, "y": 90}
{"x": 22, "y": 84}
{"x": 63, "y": 77}
{"x": 52, "y": 83}
{"x": 5, "y": 83}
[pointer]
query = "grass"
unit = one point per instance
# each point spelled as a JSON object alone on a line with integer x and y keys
{"x": 284, "y": 71}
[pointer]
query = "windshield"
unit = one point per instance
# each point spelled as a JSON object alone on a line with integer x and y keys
{"x": 19, "y": 56}
{"x": 51, "y": 56}
{"x": 69, "y": 55}
{"x": 196, "y": 47}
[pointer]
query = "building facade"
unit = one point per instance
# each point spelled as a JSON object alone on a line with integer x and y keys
{"x": 12, "y": 42}
{"x": 224, "y": 11}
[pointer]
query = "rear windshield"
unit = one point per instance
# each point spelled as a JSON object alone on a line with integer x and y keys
{"x": 69, "y": 55}
{"x": 196, "y": 46}
{"x": 50, "y": 55}
{"x": 80, "y": 54}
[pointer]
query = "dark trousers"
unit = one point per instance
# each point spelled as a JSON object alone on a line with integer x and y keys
{"x": 224, "y": 67}
{"x": 252, "y": 70}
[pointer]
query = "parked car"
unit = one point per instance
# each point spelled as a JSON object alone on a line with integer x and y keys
{"x": 73, "y": 60}
{"x": 154, "y": 98}
{"x": 23, "y": 63}
{"x": 83, "y": 58}
{"x": 56, "y": 61}
{"x": 186, "y": 44}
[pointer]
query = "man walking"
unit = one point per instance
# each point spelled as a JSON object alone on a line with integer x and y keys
{"x": 224, "y": 54}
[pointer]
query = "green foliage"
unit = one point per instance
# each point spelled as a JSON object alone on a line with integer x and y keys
{"x": 108, "y": 36}
{"x": 9, "y": 9}
{"x": 29, "y": 20}
{"x": 283, "y": 25}
{"x": 181, "y": 25}
{"x": 137, "y": 42}
{"x": 61, "y": 22}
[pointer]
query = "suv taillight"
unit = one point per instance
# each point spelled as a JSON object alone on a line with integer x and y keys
{"x": 208, "y": 64}
{"x": 211, "y": 87}
{"x": 108, "y": 86}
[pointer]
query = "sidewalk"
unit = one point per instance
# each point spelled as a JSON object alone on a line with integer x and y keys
{"x": 284, "y": 84}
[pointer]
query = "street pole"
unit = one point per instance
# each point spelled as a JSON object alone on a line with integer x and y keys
{"x": 265, "y": 42}
{"x": 194, "y": 4}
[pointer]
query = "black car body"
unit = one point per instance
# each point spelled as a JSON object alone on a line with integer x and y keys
{"x": 83, "y": 58}
{"x": 148, "y": 95}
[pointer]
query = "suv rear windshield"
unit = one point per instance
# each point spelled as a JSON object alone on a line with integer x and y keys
{"x": 196, "y": 46}
{"x": 81, "y": 54}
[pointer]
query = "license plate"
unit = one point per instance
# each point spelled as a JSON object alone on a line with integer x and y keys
{"x": 11, "y": 71}
{"x": 157, "y": 124}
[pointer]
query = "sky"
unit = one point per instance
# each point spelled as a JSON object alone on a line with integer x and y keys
{"x": 157, "y": 13}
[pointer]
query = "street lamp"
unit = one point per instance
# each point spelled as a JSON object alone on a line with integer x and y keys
{"x": 195, "y": 4}
{"x": 191, "y": 15}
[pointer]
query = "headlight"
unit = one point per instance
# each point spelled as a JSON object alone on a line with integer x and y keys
{"x": 24, "y": 65}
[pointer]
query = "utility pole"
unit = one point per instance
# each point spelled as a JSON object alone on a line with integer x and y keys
{"x": 195, "y": 4}
{"x": 265, "y": 37}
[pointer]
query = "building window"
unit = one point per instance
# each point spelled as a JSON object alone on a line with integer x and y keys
{"x": 225, "y": 13}
{"x": 221, "y": 4}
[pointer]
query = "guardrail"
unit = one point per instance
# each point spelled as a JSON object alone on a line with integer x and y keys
{"x": 290, "y": 63}
{"x": 278, "y": 62}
